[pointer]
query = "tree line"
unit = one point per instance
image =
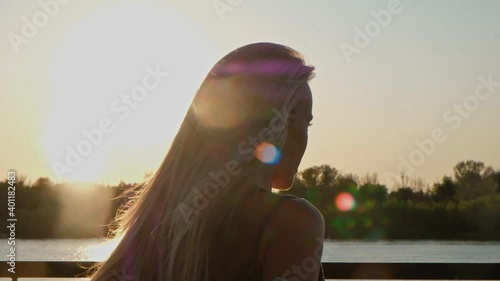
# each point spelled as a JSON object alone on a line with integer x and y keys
{"x": 463, "y": 206}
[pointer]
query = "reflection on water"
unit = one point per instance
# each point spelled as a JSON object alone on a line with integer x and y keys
{"x": 101, "y": 251}
{"x": 334, "y": 251}
{"x": 412, "y": 251}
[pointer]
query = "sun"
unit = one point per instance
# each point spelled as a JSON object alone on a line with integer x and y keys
{"x": 121, "y": 80}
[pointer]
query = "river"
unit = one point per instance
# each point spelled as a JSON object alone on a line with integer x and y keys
{"x": 334, "y": 251}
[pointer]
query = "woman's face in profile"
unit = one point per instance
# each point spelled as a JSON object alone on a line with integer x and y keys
{"x": 296, "y": 142}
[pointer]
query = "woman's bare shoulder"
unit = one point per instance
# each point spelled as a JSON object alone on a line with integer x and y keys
{"x": 298, "y": 237}
{"x": 298, "y": 211}
{"x": 292, "y": 210}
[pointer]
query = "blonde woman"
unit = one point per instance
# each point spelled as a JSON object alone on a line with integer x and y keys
{"x": 208, "y": 213}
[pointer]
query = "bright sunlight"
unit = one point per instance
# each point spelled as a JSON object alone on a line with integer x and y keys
{"x": 137, "y": 103}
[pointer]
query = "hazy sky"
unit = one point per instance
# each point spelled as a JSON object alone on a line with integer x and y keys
{"x": 390, "y": 74}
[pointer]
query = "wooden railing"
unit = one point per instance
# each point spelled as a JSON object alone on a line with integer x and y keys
{"x": 333, "y": 270}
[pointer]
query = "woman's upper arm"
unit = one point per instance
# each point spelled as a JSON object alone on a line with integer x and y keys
{"x": 294, "y": 253}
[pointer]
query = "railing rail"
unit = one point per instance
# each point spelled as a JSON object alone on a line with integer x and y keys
{"x": 333, "y": 270}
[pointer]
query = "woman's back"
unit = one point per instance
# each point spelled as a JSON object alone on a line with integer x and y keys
{"x": 243, "y": 258}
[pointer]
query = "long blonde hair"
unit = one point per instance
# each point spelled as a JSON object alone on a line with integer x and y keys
{"x": 192, "y": 201}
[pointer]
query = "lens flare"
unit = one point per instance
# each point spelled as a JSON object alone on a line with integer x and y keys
{"x": 345, "y": 202}
{"x": 268, "y": 153}
{"x": 221, "y": 104}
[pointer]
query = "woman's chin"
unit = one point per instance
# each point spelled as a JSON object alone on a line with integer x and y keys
{"x": 283, "y": 184}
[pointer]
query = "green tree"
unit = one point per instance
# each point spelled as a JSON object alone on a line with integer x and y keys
{"x": 319, "y": 176}
{"x": 474, "y": 179}
{"x": 444, "y": 190}
{"x": 403, "y": 194}
{"x": 497, "y": 180}
{"x": 376, "y": 193}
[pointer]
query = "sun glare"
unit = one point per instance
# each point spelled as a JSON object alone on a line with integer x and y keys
{"x": 101, "y": 251}
{"x": 118, "y": 84}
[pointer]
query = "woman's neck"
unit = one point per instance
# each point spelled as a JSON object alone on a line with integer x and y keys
{"x": 266, "y": 179}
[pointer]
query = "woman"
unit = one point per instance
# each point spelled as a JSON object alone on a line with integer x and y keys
{"x": 208, "y": 213}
